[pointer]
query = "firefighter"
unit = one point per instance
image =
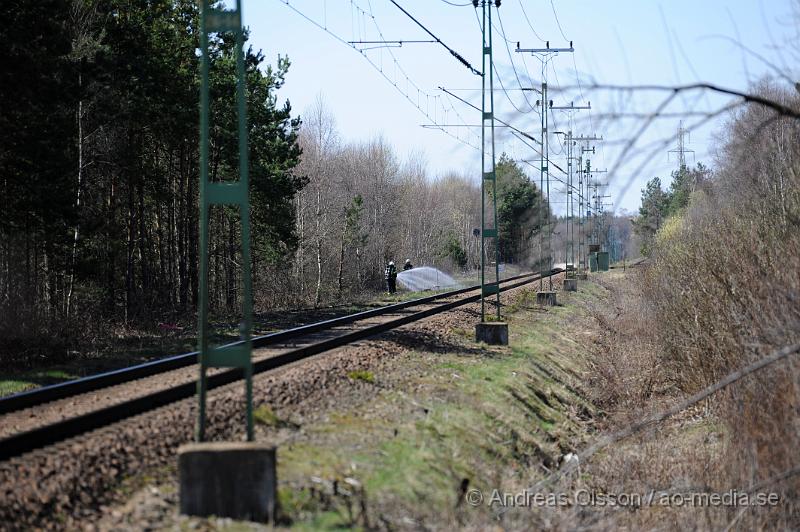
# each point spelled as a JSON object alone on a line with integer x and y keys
{"x": 390, "y": 275}
{"x": 408, "y": 266}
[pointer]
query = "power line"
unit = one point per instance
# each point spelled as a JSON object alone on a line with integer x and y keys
{"x": 527, "y": 71}
{"x": 527, "y": 136}
{"x": 580, "y": 89}
{"x": 510, "y": 58}
{"x": 499, "y": 78}
{"x": 381, "y": 71}
{"x": 524, "y": 63}
{"x": 574, "y": 63}
{"x": 529, "y": 21}
{"x": 508, "y": 97}
{"x": 408, "y": 79}
{"x": 452, "y": 52}
{"x": 552, "y": 5}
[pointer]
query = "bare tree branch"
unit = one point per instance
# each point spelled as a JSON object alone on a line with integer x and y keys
{"x": 630, "y": 430}
{"x": 747, "y": 97}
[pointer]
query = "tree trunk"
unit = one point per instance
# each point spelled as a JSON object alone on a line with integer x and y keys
{"x": 301, "y": 256}
{"x": 73, "y": 257}
{"x": 129, "y": 273}
{"x": 341, "y": 267}
{"x": 319, "y": 247}
{"x": 358, "y": 267}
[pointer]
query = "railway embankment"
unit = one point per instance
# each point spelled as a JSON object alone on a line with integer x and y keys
{"x": 434, "y": 432}
{"x": 421, "y": 428}
{"x": 429, "y": 427}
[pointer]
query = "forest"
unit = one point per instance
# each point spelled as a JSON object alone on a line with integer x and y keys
{"x": 99, "y": 233}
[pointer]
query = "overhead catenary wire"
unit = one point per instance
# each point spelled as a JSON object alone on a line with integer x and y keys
{"x": 438, "y": 40}
{"x": 526, "y": 135}
{"x": 499, "y": 77}
{"x": 397, "y": 63}
{"x": 529, "y": 21}
{"x": 558, "y": 22}
{"x": 419, "y": 90}
{"x": 438, "y": 101}
{"x": 511, "y": 59}
{"x": 573, "y": 187}
{"x": 381, "y": 71}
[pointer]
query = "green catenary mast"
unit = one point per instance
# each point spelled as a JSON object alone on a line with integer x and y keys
{"x": 235, "y": 194}
{"x": 488, "y": 165}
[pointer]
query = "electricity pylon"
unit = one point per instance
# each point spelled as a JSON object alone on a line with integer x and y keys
{"x": 681, "y": 148}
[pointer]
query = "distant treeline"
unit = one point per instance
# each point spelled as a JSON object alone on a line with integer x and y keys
{"x": 363, "y": 207}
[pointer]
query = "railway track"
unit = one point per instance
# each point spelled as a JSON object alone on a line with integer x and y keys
{"x": 83, "y": 405}
{"x": 635, "y": 262}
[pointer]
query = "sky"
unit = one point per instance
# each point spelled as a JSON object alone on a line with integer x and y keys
{"x": 396, "y": 91}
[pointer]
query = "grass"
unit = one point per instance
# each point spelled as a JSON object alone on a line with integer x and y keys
{"x": 264, "y": 415}
{"x": 403, "y": 296}
{"x": 33, "y": 379}
{"x": 362, "y": 375}
{"x": 487, "y": 419}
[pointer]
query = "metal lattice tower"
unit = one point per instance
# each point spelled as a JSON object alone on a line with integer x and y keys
{"x": 681, "y": 149}
{"x": 569, "y": 254}
{"x": 233, "y": 193}
{"x": 488, "y": 230}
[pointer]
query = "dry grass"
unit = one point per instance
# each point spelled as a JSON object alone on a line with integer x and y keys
{"x": 722, "y": 292}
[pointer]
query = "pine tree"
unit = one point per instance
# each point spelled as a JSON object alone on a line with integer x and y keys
{"x": 652, "y": 213}
{"x": 519, "y": 206}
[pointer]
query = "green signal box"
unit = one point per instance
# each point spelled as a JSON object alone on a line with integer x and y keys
{"x": 602, "y": 261}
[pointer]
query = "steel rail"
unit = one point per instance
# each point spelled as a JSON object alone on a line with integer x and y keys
{"x": 43, "y": 436}
{"x": 46, "y": 394}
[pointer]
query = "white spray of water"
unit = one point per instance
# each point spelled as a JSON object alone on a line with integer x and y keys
{"x": 424, "y": 278}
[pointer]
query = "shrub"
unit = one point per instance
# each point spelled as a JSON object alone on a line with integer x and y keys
{"x": 724, "y": 291}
